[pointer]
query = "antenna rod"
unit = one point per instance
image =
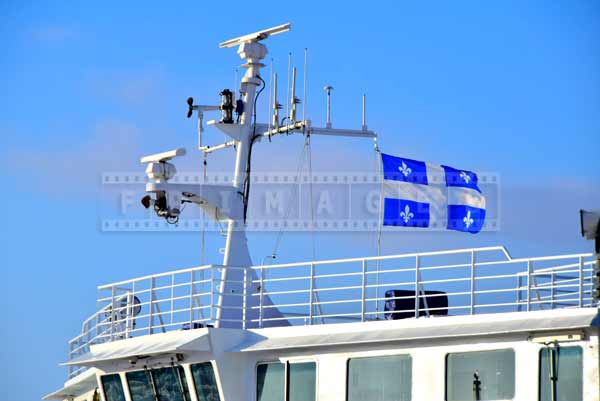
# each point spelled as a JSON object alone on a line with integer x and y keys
{"x": 304, "y": 94}
{"x": 293, "y": 97}
{"x": 235, "y": 82}
{"x": 270, "y": 94}
{"x": 364, "y": 112}
{"x": 328, "y": 89}
{"x": 276, "y": 106}
{"x": 287, "y": 100}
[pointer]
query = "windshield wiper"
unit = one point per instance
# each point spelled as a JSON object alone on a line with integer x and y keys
{"x": 180, "y": 381}
{"x": 152, "y": 385}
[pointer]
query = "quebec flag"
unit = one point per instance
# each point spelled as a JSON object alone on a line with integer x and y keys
{"x": 420, "y": 194}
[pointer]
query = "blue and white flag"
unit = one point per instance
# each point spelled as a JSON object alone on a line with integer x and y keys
{"x": 420, "y": 194}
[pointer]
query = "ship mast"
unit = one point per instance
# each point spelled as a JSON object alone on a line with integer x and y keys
{"x": 228, "y": 203}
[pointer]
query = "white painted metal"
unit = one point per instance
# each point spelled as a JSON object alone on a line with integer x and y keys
{"x": 163, "y": 157}
{"x": 235, "y": 353}
{"x": 256, "y": 36}
{"x": 328, "y": 90}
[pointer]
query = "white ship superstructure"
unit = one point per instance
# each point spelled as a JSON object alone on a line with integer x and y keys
{"x": 466, "y": 324}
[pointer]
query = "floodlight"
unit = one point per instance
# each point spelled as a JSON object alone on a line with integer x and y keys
{"x": 590, "y": 226}
{"x": 226, "y": 106}
{"x": 190, "y": 102}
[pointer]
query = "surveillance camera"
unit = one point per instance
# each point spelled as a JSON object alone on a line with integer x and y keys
{"x": 147, "y": 201}
{"x": 590, "y": 226}
{"x": 161, "y": 207}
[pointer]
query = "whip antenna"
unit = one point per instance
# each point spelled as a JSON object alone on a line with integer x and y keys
{"x": 287, "y": 99}
{"x": 364, "y": 112}
{"x": 293, "y": 99}
{"x": 269, "y": 105}
{"x": 328, "y": 90}
{"x": 305, "y": 74}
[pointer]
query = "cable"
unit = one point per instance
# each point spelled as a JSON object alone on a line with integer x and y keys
{"x": 289, "y": 207}
{"x": 312, "y": 218}
{"x": 203, "y": 222}
{"x": 310, "y": 190}
{"x": 379, "y": 225}
{"x": 246, "y": 193}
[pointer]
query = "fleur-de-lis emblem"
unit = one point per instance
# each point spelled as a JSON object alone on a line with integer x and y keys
{"x": 466, "y": 178}
{"x": 405, "y": 170}
{"x": 406, "y": 214}
{"x": 468, "y": 220}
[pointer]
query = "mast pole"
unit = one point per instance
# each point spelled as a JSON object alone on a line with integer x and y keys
{"x": 236, "y": 253}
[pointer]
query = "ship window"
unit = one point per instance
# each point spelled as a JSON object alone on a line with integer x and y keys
{"x": 270, "y": 382}
{"x": 381, "y": 378}
{"x": 113, "y": 388}
{"x": 568, "y": 371}
{"x": 171, "y": 384}
{"x": 301, "y": 381}
{"x": 140, "y": 386}
{"x": 480, "y": 375}
{"x": 205, "y": 382}
{"x": 162, "y": 384}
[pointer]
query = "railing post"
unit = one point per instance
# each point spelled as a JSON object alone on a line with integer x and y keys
{"x": 310, "y": 301}
{"x": 417, "y": 286}
{"x": 594, "y": 267}
{"x": 71, "y": 356}
{"x": 245, "y": 294}
{"x": 552, "y": 291}
{"x": 151, "y": 312}
{"x": 89, "y": 332}
{"x": 172, "y": 296}
{"x": 363, "y": 290}
{"x": 128, "y": 312}
{"x": 528, "y": 285}
{"x": 260, "y": 297}
{"x": 519, "y": 285}
{"x": 192, "y": 279}
{"x": 98, "y": 320}
{"x": 581, "y": 281}
{"x": 112, "y": 311}
{"x": 472, "y": 297}
{"x": 212, "y": 294}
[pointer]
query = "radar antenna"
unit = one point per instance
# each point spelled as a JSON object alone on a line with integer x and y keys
{"x": 256, "y": 36}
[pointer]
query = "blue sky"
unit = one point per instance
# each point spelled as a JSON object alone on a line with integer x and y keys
{"x": 511, "y": 88}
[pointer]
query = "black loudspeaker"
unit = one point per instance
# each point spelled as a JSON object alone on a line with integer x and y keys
{"x": 404, "y": 308}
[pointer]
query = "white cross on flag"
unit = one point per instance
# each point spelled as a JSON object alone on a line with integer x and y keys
{"x": 420, "y": 194}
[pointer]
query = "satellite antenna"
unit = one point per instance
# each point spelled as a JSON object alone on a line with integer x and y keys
{"x": 256, "y": 36}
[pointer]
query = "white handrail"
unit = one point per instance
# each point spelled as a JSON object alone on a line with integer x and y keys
{"x": 339, "y": 289}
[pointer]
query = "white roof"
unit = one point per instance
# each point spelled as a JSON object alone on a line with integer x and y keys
{"x": 76, "y": 386}
{"x": 418, "y": 329}
{"x": 162, "y": 343}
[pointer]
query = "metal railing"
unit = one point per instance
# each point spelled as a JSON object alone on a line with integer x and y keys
{"x": 480, "y": 280}
{"x": 470, "y": 281}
